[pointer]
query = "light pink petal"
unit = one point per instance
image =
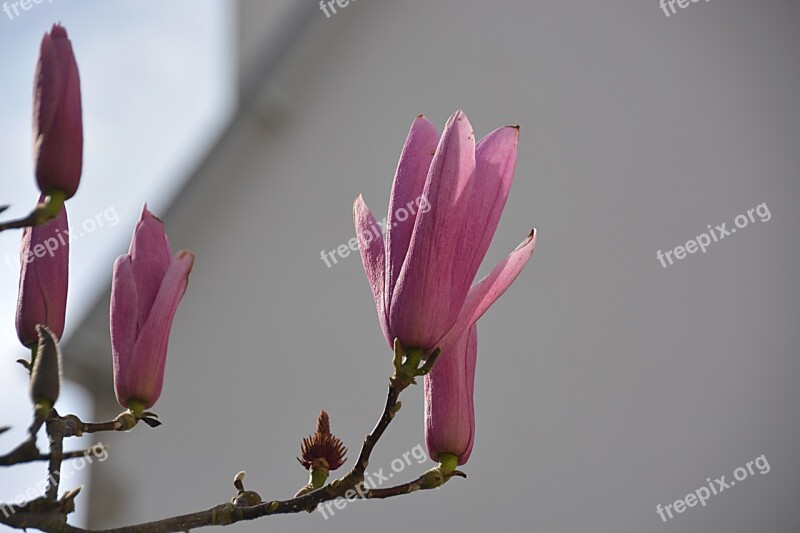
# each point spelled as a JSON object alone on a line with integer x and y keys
{"x": 484, "y": 293}
{"x": 145, "y": 374}
{"x": 449, "y": 408}
{"x": 409, "y": 182}
{"x": 425, "y": 302}
{"x": 150, "y": 255}
{"x": 373, "y": 257}
{"x": 123, "y": 319}
{"x": 496, "y": 159}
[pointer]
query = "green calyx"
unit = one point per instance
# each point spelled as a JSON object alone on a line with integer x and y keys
{"x": 447, "y": 462}
{"x": 136, "y": 407}
{"x": 410, "y": 363}
{"x": 49, "y": 208}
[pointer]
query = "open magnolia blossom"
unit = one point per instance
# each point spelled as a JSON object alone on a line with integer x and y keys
{"x": 422, "y": 275}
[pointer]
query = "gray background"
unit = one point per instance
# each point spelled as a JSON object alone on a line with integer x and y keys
{"x": 606, "y": 384}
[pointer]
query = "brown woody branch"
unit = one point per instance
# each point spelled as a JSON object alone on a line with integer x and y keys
{"x": 51, "y": 517}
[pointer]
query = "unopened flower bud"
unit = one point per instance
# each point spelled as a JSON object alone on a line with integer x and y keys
{"x": 57, "y": 116}
{"x": 147, "y": 285}
{"x": 44, "y": 279}
{"x": 46, "y": 374}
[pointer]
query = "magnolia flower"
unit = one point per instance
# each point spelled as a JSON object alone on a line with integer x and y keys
{"x": 421, "y": 277}
{"x": 449, "y": 411}
{"x": 147, "y": 286}
{"x": 43, "y": 280}
{"x": 57, "y": 122}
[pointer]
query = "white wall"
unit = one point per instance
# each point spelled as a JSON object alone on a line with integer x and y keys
{"x": 606, "y": 384}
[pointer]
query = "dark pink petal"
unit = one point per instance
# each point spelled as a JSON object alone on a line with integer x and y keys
{"x": 496, "y": 159}
{"x": 425, "y": 301}
{"x": 57, "y": 116}
{"x": 484, "y": 293}
{"x": 373, "y": 257}
{"x": 409, "y": 182}
{"x": 44, "y": 278}
{"x": 145, "y": 373}
{"x": 449, "y": 408}
{"x": 150, "y": 257}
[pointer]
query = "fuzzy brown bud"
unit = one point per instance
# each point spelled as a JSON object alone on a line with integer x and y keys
{"x": 322, "y": 450}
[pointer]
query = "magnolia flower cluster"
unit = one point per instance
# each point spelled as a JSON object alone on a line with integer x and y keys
{"x": 148, "y": 282}
{"x": 422, "y": 275}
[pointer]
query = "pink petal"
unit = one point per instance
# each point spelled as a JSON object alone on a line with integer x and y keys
{"x": 409, "y": 182}
{"x": 44, "y": 280}
{"x": 424, "y": 303}
{"x": 496, "y": 159}
{"x": 449, "y": 407}
{"x": 145, "y": 375}
{"x": 150, "y": 255}
{"x": 370, "y": 243}
{"x": 123, "y": 319}
{"x": 484, "y": 293}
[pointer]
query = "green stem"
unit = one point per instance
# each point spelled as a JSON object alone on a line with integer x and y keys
{"x": 318, "y": 477}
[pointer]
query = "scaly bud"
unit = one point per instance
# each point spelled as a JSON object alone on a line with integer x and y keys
{"x": 46, "y": 375}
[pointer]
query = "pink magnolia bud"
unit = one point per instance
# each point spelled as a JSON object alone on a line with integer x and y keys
{"x": 57, "y": 122}
{"x": 447, "y": 197}
{"x": 147, "y": 286}
{"x": 43, "y": 279}
{"x": 449, "y": 411}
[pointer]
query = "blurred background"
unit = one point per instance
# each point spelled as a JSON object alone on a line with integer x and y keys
{"x": 606, "y": 384}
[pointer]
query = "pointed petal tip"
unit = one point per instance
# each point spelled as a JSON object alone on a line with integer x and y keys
{"x": 459, "y": 121}
{"x": 358, "y": 205}
{"x": 58, "y": 31}
{"x": 422, "y": 122}
{"x": 183, "y": 254}
{"x": 530, "y": 239}
{"x": 458, "y": 116}
{"x": 146, "y": 213}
